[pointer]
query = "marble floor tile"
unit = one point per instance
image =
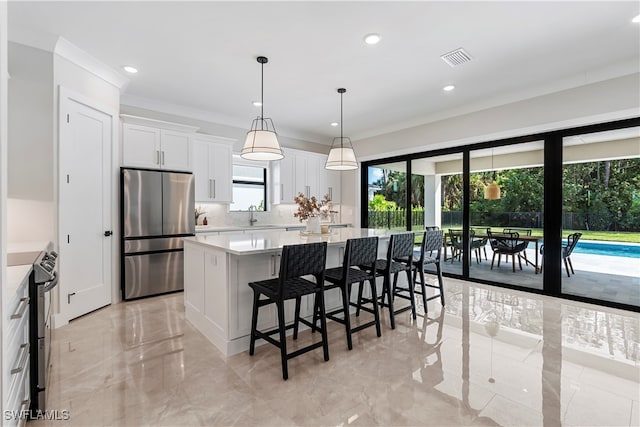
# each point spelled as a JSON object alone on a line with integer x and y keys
{"x": 489, "y": 357}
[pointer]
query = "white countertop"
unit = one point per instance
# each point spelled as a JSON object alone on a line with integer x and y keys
{"x": 264, "y": 241}
{"x": 15, "y": 276}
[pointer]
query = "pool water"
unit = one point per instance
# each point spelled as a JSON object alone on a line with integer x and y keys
{"x": 609, "y": 249}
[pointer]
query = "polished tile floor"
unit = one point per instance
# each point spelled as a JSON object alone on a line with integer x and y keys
{"x": 490, "y": 357}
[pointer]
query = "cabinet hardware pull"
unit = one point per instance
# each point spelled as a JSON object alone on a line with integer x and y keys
{"x": 281, "y": 192}
{"x": 214, "y": 188}
{"x": 162, "y": 157}
{"x": 210, "y": 191}
{"x": 331, "y": 193}
{"x": 157, "y": 156}
{"x": 21, "y": 309}
{"x": 22, "y": 360}
{"x": 24, "y": 405}
{"x": 69, "y": 297}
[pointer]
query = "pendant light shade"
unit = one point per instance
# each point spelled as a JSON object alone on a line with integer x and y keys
{"x": 492, "y": 191}
{"x": 341, "y": 155}
{"x": 262, "y": 140}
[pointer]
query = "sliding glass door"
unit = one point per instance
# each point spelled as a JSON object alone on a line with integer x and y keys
{"x": 601, "y": 216}
{"x": 506, "y": 209}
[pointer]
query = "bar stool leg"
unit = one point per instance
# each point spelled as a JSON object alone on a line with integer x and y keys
{"x": 296, "y": 321}
{"x": 374, "y": 297}
{"x": 254, "y": 323}
{"x": 423, "y": 287}
{"x": 412, "y": 294}
{"x": 283, "y": 340}
{"x": 345, "y": 307}
{"x": 323, "y": 325}
{"x": 359, "y": 301}
{"x": 386, "y": 289}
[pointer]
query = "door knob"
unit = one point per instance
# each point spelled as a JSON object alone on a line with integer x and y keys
{"x": 108, "y": 233}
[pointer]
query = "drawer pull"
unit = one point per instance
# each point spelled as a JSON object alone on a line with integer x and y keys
{"x": 22, "y": 360}
{"x": 24, "y": 405}
{"x": 23, "y": 305}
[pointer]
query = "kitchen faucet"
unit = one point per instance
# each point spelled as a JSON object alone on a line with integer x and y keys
{"x": 252, "y": 209}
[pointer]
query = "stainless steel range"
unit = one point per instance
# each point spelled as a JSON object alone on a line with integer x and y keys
{"x": 43, "y": 279}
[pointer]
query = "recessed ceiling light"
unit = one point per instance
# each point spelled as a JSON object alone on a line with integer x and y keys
{"x": 372, "y": 38}
{"x": 257, "y": 103}
{"x": 129, "y": 69}
{"x": 448, "y": 88}
{"x": 334, "y": 124}
{"x": 636, "y": 19}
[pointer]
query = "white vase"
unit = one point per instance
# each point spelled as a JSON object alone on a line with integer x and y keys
{"x": 313, "y": 225}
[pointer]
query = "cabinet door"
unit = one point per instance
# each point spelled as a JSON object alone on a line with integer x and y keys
{"x": 140, "y": 146}
{"x": 194, "y": 278}
{"x": 306, "y": 176}
{"x": 215, "y": 290}
{"x": 200, "y": 165}
{"x": 175, "y": 153}
{"x": 283, "y": 180}
{"x": 332, "y": 184}
{"x": 220, "y": 172}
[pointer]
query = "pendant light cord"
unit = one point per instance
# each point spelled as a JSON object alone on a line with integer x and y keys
{"x": 341, "y": 137}
{"x": 262, "y": 95}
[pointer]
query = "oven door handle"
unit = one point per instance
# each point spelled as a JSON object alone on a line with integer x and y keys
{"x": 52, "y": 284}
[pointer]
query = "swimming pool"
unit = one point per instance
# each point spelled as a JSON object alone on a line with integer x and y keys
{"x": 609, "y": 249}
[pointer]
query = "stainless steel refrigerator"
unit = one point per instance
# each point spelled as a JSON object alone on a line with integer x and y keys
{"x": 157, "y": 210}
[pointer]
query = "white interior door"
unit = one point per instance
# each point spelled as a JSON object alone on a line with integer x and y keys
{"x": 85, "y": 209}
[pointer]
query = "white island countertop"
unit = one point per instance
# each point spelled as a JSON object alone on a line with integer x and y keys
{"x": 265, "y": 241}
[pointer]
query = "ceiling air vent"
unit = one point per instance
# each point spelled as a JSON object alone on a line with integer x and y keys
{"x": 456, "y": 57}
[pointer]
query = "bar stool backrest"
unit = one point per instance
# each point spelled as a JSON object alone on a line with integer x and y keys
{"x": 432, "y": 241}
{"x": 303, "y": 260}
{"x": 401, "y": 248}
{"x": 362, "y": 251}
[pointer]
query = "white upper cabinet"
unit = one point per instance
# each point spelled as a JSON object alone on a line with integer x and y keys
{"x": 155, "y": 144}
{"x": 329, "y": 182}
{"x": 282, "y": 175}
{"x": 306, "y": 176}
{"x": 303, "y": 172}
{"x": 212, "y": 168}
{"x": 140, "y": 146}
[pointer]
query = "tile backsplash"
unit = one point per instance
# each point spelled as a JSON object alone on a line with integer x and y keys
{"x": 218, "y": 214}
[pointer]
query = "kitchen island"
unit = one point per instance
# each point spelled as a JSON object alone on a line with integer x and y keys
{"x": 217, "y": 270}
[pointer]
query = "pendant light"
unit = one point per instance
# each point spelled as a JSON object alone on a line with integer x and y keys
{"x": 262, "y": 139}
{"x": 492, "y": 191}
{"x": 341, "y": 155}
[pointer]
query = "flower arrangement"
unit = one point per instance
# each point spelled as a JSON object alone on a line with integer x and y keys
{"x": 311, "y": 207}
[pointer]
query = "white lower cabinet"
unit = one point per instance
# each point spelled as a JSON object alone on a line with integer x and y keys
{"x": 15, "y": 370}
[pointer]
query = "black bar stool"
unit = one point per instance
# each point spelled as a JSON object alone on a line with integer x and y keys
{"x": 358, "y": 252}
{"x": 297, "y": 261}
{"x": 430, "y": 253}
{"x": 399, "y": 259}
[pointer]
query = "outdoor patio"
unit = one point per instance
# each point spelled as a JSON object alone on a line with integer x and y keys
{"x": 609, "y": 278}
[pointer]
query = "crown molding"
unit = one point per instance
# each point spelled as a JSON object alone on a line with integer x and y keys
{"x": 71, "y": 52}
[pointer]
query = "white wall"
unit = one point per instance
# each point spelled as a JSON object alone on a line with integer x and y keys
{"x": 594, "y": 103}
{"x": 31, "y": 206}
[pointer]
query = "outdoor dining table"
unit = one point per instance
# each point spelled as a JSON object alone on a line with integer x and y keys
{"x": 535, "y": 239}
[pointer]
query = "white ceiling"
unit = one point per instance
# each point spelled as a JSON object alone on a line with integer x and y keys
{"x": 201, "y": 55}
